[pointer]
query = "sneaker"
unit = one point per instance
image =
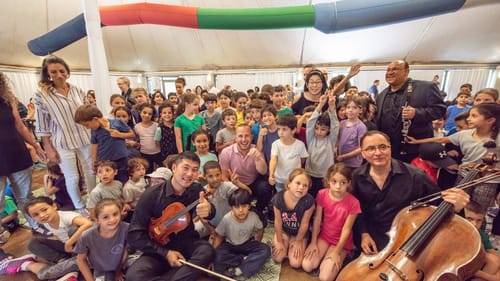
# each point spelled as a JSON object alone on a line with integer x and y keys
{"x": 13, "y": 266}
{"x": 41, "y": 231}
{"x": 72, "y": 276}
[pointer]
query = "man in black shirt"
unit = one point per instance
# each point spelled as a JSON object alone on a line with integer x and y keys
{"x": 124, "y": 85}
{"x": 418, "y": 102}
{"x": 158, "y": 261}
{"x": 383, "y": 187}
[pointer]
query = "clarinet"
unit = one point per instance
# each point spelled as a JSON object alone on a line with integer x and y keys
{"x": 406, "y": 122}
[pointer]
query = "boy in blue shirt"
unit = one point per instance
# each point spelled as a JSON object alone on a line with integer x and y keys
{"x": 107, "y": 138}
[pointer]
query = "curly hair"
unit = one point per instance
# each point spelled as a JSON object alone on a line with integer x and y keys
{"x": 6, "y": 94}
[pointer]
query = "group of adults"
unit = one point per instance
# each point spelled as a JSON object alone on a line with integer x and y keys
{"x": 384, "y": 185}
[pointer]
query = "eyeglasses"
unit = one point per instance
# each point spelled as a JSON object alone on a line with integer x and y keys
{"x": 315, "y": 82}
{"x": 381, "y": 148}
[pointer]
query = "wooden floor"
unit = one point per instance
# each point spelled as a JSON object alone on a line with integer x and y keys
{"x": 18, "y": 243}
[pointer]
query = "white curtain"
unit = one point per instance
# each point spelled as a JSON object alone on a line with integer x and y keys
{"x": 244, "y": 81}
{"x": 477, "y": 77}
{"x": 24, "y": 83}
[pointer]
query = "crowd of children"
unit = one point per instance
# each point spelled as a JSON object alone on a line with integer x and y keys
{"x": 309, "y": 155}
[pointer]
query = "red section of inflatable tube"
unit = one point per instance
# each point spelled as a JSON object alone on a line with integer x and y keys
{"x": 141, "y": 13}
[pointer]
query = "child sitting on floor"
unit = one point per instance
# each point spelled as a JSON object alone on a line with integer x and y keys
{"x": 102, "y": 250}
{"x": 54, "y": 183}
{"x": 238, "y": 252}
{"x": 44, "y": 211}
{"x": 107, "y": 188}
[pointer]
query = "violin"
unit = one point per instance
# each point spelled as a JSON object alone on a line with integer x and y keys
{"x": 425, "y": 243}
{"x": 174, "y": 219}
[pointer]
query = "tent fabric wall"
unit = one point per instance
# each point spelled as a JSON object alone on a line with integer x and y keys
{"x": 24, "y": 82}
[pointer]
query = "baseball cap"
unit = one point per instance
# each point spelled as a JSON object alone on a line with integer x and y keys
{"x": 435, "y": 152}
{"x": 161, "y": 172}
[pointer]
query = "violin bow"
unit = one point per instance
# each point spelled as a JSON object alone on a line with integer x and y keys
{"x": 433, "y": 197}
{"x": 206, "y": 270}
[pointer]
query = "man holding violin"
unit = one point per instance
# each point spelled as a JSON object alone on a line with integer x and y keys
{"x": 166, "y": 245}
{"x": 384, "y": 186}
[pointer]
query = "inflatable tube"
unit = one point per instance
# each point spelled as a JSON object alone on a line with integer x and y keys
{"x": 326, "y": 17}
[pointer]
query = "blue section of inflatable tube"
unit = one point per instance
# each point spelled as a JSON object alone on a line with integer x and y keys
{"x": 356, "y": 14}
{"x": 60, "y": 37}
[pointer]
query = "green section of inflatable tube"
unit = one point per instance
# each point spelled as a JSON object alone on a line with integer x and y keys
{"x": 259, "y": 18}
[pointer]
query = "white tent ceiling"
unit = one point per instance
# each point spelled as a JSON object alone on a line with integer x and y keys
{"x": 470, "y": 35}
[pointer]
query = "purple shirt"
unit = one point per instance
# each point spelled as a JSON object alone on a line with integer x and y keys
{"x": 349, "y": 141}
{"x": 244, "y": 165}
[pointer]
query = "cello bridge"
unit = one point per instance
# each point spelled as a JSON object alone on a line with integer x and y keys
{"x": 394, "y": 268}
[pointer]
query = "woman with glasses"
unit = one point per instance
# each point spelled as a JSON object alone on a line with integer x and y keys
{"x": 315, "y": 86}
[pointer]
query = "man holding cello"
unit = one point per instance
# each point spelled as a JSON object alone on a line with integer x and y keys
{"x": 384, "y": 186}
{"x": 163, "y": 230}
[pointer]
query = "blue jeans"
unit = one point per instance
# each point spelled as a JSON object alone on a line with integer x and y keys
{"x": 228, "y": 255}
{"x": 20, "y": 182}
{"x": 69, "y": 166}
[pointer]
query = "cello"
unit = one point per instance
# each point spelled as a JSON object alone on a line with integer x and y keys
{"x": 425, "y": 243}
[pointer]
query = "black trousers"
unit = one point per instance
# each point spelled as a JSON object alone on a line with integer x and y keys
{"x": 156, "y": 268}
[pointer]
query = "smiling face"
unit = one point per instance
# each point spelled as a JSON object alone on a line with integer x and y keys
{"x": 109, "y": 218}
{"x": 44, "y": 213}
{"x": 268, "y": 118}
{"x": 477, "y": 120}
{"x": 158, "y": 99}
{"x": 167, "y": 114}
{"x": 241, "y": 103}
{"x": 315, "y": 85}
{"x": 201, "y": 144}
{"x": 183, "y": 174}
{"x": 243, "y": 139}
{"x": 147, "y": 114}
{"x": 396, "y": 74}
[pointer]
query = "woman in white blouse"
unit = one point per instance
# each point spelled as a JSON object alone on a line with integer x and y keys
{"x": 64, "y": 140}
